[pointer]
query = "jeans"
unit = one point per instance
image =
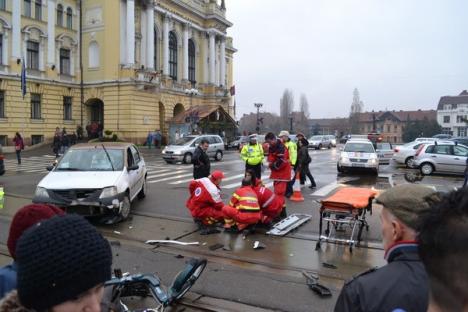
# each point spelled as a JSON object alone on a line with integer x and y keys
{"x": 18, "y": 156}
{"x": 466, "y": 179}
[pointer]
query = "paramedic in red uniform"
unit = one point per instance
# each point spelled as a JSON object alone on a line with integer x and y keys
{"x": 243, "y": 209}
{"x": 278, "y": 159}
{"x": 205, "y": 202}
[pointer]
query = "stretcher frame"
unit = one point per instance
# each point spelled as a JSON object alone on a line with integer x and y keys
{"x": 354, "y": 217}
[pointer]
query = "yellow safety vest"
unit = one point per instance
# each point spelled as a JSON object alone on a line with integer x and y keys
{"x": 2, "y": 197}
{"x": 252, "y": 154}
{"x": 292, "y": 149}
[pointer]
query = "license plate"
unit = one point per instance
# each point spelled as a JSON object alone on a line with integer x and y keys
{"x": 358, "y": 165}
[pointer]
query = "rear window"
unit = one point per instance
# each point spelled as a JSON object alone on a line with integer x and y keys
{"x": 384, "y": 146}
{"x": 358, "y": 147}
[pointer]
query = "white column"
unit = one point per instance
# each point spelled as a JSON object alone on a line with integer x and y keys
{"x": 223, "y": 62}
{"x": 206, "y": 53}
{"x": 130, "y": 32}
{"x": 25, "y": 44}
{"x": 41, "y": 54}
{"x": 50, "y": 32}
{"x": 150, "y": 37}
{"x": 166, "y": 46}
{"x": 16, "y": 40}
{"x": 186, "y": 56}
{"x": 5, "y": 48}
{"x": 72, "y": 61}
{"x": 212, "y": 58}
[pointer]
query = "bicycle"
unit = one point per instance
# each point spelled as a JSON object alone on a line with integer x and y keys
{"x": 144, "y": 285}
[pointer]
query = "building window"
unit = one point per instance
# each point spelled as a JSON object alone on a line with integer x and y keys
{"x": 460, "y": 119}
{"x": 447, "y": 107}
{"x": 60, "y": 15}
{"x": 3, "y": 5}
{"x": 27, "y": 8}
{"x": 93, "y": 55}
{"x": 64, "y": 61}
{"x": 67, "y": 108}
{"x": 191, "y": 61}
{"x": 446, "y": 119}
{"x": 2, "y": 104}
{"x": 69, "y": 18}
{"x": 36, "y": 139}
{"x": 35, "y": 106}
{"x": 446, "y": 130}
{"x": 38, "y": 10}
{"x": 1, "y": 49}
{"x": 388, "y": 128}
{"x": 462, "y": 131}
{"x": 155, "y": 48}
{"x": 172, "y": 56}
{"x": 32, "y": 51}
{"x": 3, "y": 140}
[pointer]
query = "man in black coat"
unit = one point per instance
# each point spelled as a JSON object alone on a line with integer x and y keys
{"x": 403, "y": 282}
{"x": 201, "y": 161}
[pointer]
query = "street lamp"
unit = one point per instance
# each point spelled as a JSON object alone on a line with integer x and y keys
{"x": 291, "y": 118}
{"x": 258, "y": 106}
{"x": 191, "y": 93}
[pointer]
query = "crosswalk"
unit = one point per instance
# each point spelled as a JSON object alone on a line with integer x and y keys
{"x": 32, "y": 164}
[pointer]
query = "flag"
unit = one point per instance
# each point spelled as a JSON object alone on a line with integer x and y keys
{"x": 232, "y": 91}
{"x": 23, "y": 78}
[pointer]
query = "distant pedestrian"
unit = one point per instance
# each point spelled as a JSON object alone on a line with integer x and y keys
{"x": 201, "y": 161}
{"x": 19, "y": 146}
{"x": 79, "y": 132}
{"x": 303, "y": 162}
{"x": 466, "y": 173}
{"x": 177, "y": 136}
{"x": 149, "y": 139}
{"x": 252, "y": 154}
{"x": 158, "y": 139}
{"x": 57, "y": 142}
{"x": 65, "y": 141}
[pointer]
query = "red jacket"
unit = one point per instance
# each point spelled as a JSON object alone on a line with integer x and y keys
{"x": 278, "y": 157}
{"x": 265, "y": 196}
{"x": 204, "y": 193}
{"x": 245, "y": 199}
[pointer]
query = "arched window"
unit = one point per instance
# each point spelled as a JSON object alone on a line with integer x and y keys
{"x": 38, "y": 9}
{"x": 172, "y": 56}
{"x": 69, "y": 18}
{"x": 155, "y": 48}
{"x": 93, "y": 55}
{"x": 191, "y": 61}
{"x": 60, "y": 15}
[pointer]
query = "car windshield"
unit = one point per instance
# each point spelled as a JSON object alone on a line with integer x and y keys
{"x": 184, "y": 140}
{"x": 316, "y": 137}
{"x": 359, "y": 147}
{"x": 92, "y": 159}
{"x": 384, "y": 146}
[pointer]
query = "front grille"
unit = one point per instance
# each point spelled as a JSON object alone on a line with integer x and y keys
{"x": 169, "y": 152}
{"x": 358, "y": 160}
{"x": 70, "y": 195}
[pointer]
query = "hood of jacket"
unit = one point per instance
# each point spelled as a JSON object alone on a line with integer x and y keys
{"x": 11, "y": 303}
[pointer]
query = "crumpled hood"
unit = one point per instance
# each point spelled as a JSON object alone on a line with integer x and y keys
{"x": 76, "y": 180}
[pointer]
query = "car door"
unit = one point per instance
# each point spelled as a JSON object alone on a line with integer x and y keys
{"x": 460, "y": 153}
{"x": 140, "y": 173}
{"x": 442, "y": 157}
{"x": 212, "y": 148}
{"x": 132, "y": 174}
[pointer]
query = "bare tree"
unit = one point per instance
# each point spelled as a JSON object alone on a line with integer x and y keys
{"x": 304, "y": 105}
{"x": 286, "y": 106}
{"x": 357, "y": 107}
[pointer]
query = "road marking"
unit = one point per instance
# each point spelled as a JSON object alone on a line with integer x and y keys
{"x": 325, "y": 189}
{"x": 170, "y": 178}
{"x": 166, "y": 174}
{"x": 234, "y": 177}
{"x": 238, "y": 183}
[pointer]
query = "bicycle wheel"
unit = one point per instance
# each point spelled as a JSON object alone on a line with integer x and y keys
{"x": 186, "y": 278}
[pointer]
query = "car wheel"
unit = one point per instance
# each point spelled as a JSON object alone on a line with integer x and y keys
{"x": 320, "y": 146}
{"x": 376, "y": 171}
{"x": 125, "y": 208}
{"x": 409, "y": 162}
{"x": 142, "y": 193}
{"x": 339, "y": 169}
{"x": 219, "y": 156}
{"x": 187, "y": 158}
{"x": 427, "y": 169}
{"x": 329, "y": 146}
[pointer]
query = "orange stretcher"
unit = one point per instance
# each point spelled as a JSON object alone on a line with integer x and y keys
{"x": 348, "y": 206}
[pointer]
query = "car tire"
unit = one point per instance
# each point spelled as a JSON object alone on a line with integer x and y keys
{"x": 169, "y": 162}
{"x": 329, "y": 146}
{"x": 375, "y": 171}
{"x": 409, "y": 162}
{"x": 218, "y": 156}
{"x": 187, "y": 158}
{"x": 142, "y": 193}
{"x": 339, "y": 169}
{"x": 126, "y": 207}
{"x": 426, "y": 168}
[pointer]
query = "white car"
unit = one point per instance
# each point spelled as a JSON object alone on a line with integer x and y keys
{"x": 404, "y": 154}
{"x": 319, "y": 141}
{"x": 441, "y": 156}
{"x": 358, "y": 153}
{"x": 95, "y": 179}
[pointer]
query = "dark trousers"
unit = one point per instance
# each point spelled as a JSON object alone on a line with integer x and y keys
{"x": 18, "y": 156}
{"x": 289, "y": 187}
{"x": 466, "y": 179}
{"x": 305, "y": 173}
{"x": 256, "y": 168}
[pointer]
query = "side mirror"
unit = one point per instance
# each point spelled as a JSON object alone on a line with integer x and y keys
{"x": 50, "y": 167}
{"x": 132, "y": 168}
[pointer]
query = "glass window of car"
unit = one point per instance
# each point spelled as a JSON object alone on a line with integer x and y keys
{"x": 130, "y": 161}
{"x": 416, "y": 146}
{"x": 135, "y": 154}
{"x": 440, "y": 149}
{"x": 384, "y": 146}
{"x": 218, "y": 140}
{"x": 460, "y": 151}
{"x": 358, "y": 147}
{"x": 212, "y": 140}
{"x": 316, "y": 138}
{"x": 184, "y": 140}
{"x": 92, "y": 159}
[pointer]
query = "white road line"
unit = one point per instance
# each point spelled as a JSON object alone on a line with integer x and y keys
{"x": 233, "y": 177}
{"x": 170, "y": 178}
{"x": 325, "y": 189}
{"x": 165, "y": 174}
{"x": 181, "y": 181}
{"x": 153, "y": 172}
{"x": 238, "y": 183}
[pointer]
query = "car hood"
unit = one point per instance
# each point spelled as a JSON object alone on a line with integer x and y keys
{"x": 79, "y": 180}
{"x": 315, "y": 141}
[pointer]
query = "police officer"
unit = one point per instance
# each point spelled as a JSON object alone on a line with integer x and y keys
{"x": 252, "y": 154}
{"x": 403, "y": 282}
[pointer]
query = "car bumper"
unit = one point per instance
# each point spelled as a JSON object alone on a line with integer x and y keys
{"x": 173, "y": 157}
{"x": 356, "y": 165}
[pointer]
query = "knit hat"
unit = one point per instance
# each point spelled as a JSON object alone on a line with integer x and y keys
{"x": 217, "y": 174}
{"x": 27, "y": 217}
{"x": 408, "y": 202}
{"x": 60, "y": 259}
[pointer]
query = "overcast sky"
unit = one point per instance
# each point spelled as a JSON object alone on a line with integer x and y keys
{"x": 400, "y": 54}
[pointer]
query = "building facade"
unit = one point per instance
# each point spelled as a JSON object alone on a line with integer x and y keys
{"x": 452, "y": 114}
{"x": 126, "y": 65}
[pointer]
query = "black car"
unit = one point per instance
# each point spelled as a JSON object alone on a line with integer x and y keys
{"x": 461, "y": 140}
{"x": 2, "y": 162}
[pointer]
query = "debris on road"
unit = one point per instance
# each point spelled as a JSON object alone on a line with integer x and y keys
{"x": 288, "y": 224}
{"x": 209, "y": 230}
{"x": 312, "y": 280}
{"x": 216, "y": 246}
{"x": 258, "y": 245}
{"x": 329, "y": 266}
{"x": 163, "y": 241}
{"x": 117, "y": 232}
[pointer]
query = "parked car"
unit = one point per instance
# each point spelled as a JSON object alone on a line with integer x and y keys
{"x": 426, "y": 139}
{"x": 95, "y": 179}
{"x": 319, "y": 141}
{"x": 442, "y": 136}
{"x": 344, "y": 138}
{"x": 460, "y": 140}
{"x": 236, "y": 144}
{"x": 384, "y": 152}
{"x": 332, "y": 139}
{"x": 260, "y": 140}
{"x": 404, "y": 154}
{"x": 358, "y": 153}
{"x": 446, "y": 156}
{"x": 183, "y": 149}
{"x": 2, "y": 162}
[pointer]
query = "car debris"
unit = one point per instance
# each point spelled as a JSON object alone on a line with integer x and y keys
{"x": 117, "y": 232}
{"x": 258, "y": 245}
{"x": 329, "y": 266}
{"x": 216, "y": 246}
{"x": 163, "y": 241}
{"x": 288, "y": 224}
{"x": 312, "y": 280}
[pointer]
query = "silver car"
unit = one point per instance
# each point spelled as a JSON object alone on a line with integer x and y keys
{"x": 358, "y": 154}
{"x": 183, "y": 149}
{"x": 441, "y": 156}
{"x": 385, "y": 152}
{"x": 319, "y": 141}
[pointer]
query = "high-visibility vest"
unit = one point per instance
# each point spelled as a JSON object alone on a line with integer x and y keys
{"x": 292, "y": 148}
{"x": 245, "y": 199}
{"x": 252, "y": 154}
{"x": 2, "y": 197}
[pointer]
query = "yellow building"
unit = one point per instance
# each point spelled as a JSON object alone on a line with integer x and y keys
{"x": 140, "y": 60}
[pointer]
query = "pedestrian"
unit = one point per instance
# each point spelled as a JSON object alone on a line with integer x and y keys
{"x": 19, "y": 146}
{"x": 57, "y": 142}
{"x": 243, "y": 209}
{"x": 466, "y": 173}
{"x": 303, "y": 162}
{"x": 158, "y": 139}
{"x": 65, "y": 141}
{"x": 149, "y": 139}
{"x": 201, "y": 161}
{"x": 278, "y": 162}
{"x": 292, "y": 150}
{"x": 23, "y": 219}
{"x": 252, "y": 154}
{"x": 402, "y": 283}
{"x": 63, "y": 263}
{"x": 79, "y": 132}
{"x": 205, "y": 203}
{"x": 177, "y": 136}
{"x": 443, "y": 237}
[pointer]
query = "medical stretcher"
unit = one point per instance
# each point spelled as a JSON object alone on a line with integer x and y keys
{"x": 347, "y": 207}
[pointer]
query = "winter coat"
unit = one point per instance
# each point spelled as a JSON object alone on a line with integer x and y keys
{"x": 19, "y": 143}
{"x": 303, "y": 158}
{"x": 278, "y": 158}
{"x": 201, "y": 164}
{"x": 8, "y": 279}
{"x": 11, "y": 303}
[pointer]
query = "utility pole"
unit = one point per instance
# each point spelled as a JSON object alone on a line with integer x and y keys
{"x": 258, "y": 106}
{"x": 291, "y": 123}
